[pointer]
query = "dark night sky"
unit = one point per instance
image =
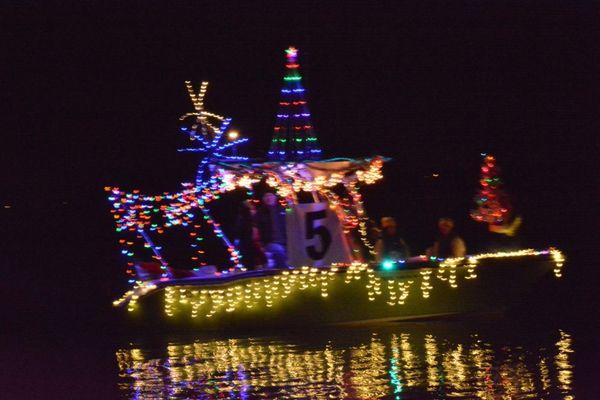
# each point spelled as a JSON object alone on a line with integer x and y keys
{"x": 91, "y": 97}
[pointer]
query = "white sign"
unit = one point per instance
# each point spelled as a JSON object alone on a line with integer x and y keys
{"x": 315, "y": 236}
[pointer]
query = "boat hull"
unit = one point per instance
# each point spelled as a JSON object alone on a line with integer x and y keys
{"x": 343, "y": 295}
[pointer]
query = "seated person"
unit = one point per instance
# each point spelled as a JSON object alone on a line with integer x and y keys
{"x": 271, "y": 226}
{"x": 448, "y": 244}
{"x": 390, "y": 245}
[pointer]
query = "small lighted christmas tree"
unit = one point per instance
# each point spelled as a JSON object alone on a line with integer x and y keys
{"x": 294, "y": 137}
{"x": 492, "y": 201}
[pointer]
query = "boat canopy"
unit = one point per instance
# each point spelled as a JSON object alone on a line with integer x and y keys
{"x": 134, "y": 211}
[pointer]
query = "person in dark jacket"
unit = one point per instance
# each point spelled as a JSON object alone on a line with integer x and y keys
{"x": 271, "y": 226}
{"x": 390, "y": 245}
{"x": 448, "y": 244}
{"x": 248, "y": 237}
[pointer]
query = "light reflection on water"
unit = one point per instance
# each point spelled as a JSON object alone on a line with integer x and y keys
{"x": 422, "y": 361}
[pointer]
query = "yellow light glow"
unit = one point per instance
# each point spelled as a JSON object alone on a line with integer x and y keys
{"x": 233, "y": 135}
{"x": 374, "y": 367}
{"x": 272, "y": 290}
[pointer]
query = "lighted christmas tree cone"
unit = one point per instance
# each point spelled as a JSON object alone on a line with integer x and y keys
{"x": 493, "y": 203}
{"x": 294, "y": 137}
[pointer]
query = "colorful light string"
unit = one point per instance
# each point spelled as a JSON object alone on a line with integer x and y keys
{"x": 141, "y": 215}
{"x": 493, "y": 204}
{"x": 294, "y": 138}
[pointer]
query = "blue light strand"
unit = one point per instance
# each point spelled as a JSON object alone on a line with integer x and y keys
{"x": 163, "y": 264}
{"x": 211, "y": 151}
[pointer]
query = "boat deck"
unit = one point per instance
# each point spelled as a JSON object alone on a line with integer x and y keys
{"x": 230, "y": 277}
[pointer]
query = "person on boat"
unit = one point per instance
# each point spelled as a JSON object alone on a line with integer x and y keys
{"x": 448, "y": 244}
{"x": 271, "y": 226}
{"x": 390, "y": 245}
{"x": 248, "y": 237}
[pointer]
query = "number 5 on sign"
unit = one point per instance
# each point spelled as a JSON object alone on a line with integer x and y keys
{"x": 315, "y": 237}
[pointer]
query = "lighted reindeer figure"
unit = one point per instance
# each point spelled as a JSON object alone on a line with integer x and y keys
{"x": 138, "y": 214}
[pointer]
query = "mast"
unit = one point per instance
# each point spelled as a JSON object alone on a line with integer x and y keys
{"x": 294, "y": 137}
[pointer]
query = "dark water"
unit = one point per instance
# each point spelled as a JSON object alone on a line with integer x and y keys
{"x": 430, "y": 360}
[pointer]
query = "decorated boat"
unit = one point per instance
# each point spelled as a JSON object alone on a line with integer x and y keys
{"x": 329, "y": 275}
